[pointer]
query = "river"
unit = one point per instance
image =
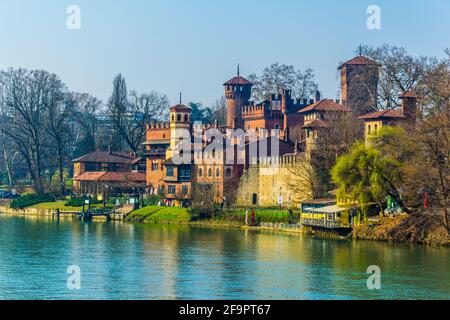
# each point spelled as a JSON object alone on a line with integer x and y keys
{"x": 133, "y": 261}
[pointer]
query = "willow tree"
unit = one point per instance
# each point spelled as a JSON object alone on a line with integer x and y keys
{"x": 365, "y": 174}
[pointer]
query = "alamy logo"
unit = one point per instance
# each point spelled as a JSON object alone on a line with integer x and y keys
{"x": 74, "y": 278}
{"x": 374, "y": 20}
{"x": 74, "y": 19}
{"x": 374, "y": 280}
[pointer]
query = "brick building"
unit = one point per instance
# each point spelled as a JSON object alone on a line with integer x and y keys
{"x": 286, "y": 131}
{"x": 109, "y": 173}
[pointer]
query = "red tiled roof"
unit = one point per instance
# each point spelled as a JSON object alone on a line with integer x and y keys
{"x": 383, "y": 114}
{"x": 410, "y": 94}
{"x": 316, "y": 123}
{"x": 106, "y": 157}
{"x": 180, "y": 107}
{"x": 238, "y": 80}
{"x": 359, "y": 60}
{"x": 89, "y": 176}
{"x": 325, "y": 105}
{"x": 123, "y": 176}
{"x": 111, "y": 176}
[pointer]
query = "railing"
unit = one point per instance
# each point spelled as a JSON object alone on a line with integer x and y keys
{"x": 329, "y": 224}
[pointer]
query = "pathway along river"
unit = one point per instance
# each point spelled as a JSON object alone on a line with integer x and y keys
{"x": 132, "y": 261}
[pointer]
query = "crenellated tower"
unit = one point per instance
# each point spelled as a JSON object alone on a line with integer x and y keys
{"x": 238, "y": 91}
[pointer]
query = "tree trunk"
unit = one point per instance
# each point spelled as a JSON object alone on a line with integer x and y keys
{"x": 8, "y": 168}
{"x": 62, "y": 186}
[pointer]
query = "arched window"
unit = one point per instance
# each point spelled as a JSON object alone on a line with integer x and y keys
{"x": 217, "y": 172}
{"x": 228, "y": 172}
{"x": 209, "y": 172}
{"x": 369, "y": 128}
{"x": 186, "y": 118}
{"x": 375, "y": 128}
{"x": 178, "y": 117}
{"x": 200, "y": 172}
{"x": 173, "y": 117}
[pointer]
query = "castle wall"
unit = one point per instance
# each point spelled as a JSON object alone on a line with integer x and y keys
{"x": 274, "y": 177}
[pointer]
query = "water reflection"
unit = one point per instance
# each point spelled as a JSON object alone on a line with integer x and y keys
{"x": 128, "y": 261}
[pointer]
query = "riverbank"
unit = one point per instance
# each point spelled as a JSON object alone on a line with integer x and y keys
{"x": 404, "y": 228}
{"x": 414, "y": 229}
{"x": 43, "y": 210}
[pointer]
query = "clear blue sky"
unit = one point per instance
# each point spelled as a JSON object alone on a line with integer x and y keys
{"x": 193, "y": 46}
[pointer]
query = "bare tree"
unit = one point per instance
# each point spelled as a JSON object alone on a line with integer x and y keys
{"x": 26, "y": 95}
{"x": 117, "y": 110}
{"x": 280, "y": 76}
{"x": 333, "y": 141}
{"x": 220, "y": 111}
{"x": 400, "y": 72}
{"x": 130, "y": 114}
{"x": 86, "y": 111}
{"x": 59, "y": 109}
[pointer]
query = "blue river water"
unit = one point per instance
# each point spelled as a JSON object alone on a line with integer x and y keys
{"x": 133, "y": 261}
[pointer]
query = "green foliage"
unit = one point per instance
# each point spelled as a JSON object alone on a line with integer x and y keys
{"x": 30, "y": 199}
{"x": 201, "y": 113}
{"x": 153, "y": 214}
{"x": 366, "y": 174}
{"x": 262, "y": 215}
{"x": 78, "y": 202}
{"x": 152, "y": 200}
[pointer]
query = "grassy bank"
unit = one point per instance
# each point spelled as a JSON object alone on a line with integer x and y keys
{"x": 405, "y": 228}
{"x": 154, "y": 214}
{"x": 261, "y": 215}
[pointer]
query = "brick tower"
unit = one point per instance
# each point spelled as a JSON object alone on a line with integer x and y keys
{"x": 359, "y": 84}
{"x": 238, "y": 91}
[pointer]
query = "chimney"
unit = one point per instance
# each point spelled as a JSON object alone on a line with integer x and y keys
{"x": 409, "y": 101}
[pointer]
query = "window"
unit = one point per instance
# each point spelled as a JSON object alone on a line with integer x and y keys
{"x": 200, "y": 172}
{"x": 209, "y": 172}
{"x": 155, "y": 166}
{"x": 178, "y": 117}
{"x": 173, "y": 118}
{"x": 375, "y": 128}
{"x": 185, "y": 189}
{"x": 171, "y": 189}
{"x": 228, "y": 172}
{"x": 217, "y": 172}
{"x": 254, "y": 199}
{"x": 169, "y": 171}
{"x": 369, "y": 128}
{"x": 185, "y": 174}
{"x": 186, "y": 118}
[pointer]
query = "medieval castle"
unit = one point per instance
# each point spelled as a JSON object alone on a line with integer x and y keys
{"x": 238, "y": 169}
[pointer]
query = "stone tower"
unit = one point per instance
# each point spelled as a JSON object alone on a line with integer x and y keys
{"x": 359, "y": 84}
{"x": 180, "y": 126}
{"x": 238, "y": 91}
{"x": 409, "y": 108}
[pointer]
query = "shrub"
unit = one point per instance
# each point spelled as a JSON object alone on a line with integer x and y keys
{"x": 78, "y": 202}
{"x": 30, "y": 200}
{"x": 152, "y": 200}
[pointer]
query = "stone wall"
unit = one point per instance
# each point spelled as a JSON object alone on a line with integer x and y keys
{"x": 275, "y": 177}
